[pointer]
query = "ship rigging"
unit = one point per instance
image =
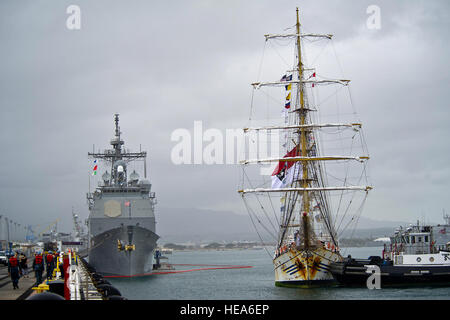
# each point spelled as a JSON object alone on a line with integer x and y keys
{"x": 307, "y": 235}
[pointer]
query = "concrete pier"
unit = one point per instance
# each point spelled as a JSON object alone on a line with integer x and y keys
{"x": 25, "y": 284}
{"x": 81, "y": 282}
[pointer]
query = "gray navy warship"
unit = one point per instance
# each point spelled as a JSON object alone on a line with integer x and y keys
{"x": 121, "y": 219}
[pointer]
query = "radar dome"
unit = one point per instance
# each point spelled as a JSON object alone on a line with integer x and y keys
{"x": 134, "y": 176}
{"x": 106, "y": 176}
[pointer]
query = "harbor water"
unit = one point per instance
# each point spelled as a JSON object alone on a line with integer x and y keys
{"x": 256, "y": 283}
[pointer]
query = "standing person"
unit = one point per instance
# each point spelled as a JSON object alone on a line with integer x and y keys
{"x": 38, "y": 267}
{"x": 50, "y": 264}
{"x": 23, "y": 265}
{"x": 14, "y": 270}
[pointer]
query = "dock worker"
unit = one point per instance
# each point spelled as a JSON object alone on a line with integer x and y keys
{"x": 14, "y": 270}
{"x": 38, "y": 267}
{"x": 23, "y": 265}
{"x": 50, "y": 264}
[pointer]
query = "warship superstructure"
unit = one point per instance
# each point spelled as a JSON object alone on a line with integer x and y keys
{"x": 122, "y": 219}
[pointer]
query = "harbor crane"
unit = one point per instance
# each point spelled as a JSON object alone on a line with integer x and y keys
{"x": 49, "y": 227}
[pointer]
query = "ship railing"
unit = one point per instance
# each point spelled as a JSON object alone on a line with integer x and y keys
{"x": 120, "y": 189}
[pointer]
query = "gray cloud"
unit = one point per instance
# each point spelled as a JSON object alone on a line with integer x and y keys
{"x": 164, "y": 65}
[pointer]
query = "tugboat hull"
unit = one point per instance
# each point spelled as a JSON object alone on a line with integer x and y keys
{"x": 355, "y": 273}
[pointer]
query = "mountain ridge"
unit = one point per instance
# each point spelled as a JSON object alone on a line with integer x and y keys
{"x": 203, "y": 225}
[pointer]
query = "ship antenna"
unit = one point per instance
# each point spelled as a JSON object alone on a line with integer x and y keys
{"x": 117, "y": 143}
{"x": 116, "y": 120}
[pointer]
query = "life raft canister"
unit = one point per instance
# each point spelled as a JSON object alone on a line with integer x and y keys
{"x": 13, "y": 262}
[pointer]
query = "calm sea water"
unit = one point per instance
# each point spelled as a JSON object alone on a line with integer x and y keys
{"x": 256, "y": 283}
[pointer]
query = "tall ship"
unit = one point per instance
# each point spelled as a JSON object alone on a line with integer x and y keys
{"x": 121, "y": 219}
{"x": 310, "y": 195}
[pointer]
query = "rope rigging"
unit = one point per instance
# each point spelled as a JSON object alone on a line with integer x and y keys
{"x": 308, "y": 197}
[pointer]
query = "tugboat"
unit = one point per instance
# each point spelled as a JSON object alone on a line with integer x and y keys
{"x": 416, "y": 255}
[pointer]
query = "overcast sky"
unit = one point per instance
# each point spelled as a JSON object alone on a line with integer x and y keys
{"x": 165, "y": 64}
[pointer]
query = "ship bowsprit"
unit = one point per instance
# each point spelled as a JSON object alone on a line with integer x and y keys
{"x": 123, "y": 251}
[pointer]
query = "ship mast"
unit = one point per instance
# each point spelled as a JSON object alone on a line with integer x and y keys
{"x": 117, "y": 143}
{"x": 311, "y": 185}
{"x": 303, "y": 141}
{"x": 116, "y": 154}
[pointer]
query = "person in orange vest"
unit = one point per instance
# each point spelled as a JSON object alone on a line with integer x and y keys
{"x": 14, "y": 270}
{"x": 50, "y": 264}
{"x": 38, "y": 267}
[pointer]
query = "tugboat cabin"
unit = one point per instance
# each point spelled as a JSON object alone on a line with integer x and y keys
{"x": 417, "y": 246}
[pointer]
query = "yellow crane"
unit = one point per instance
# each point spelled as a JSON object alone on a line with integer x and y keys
{"x": 49, "y": 227}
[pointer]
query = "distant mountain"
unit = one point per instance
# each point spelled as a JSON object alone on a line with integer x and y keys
{"x": 367, "y": 223}
{"x": 197, "y": 225}
{"x": 203, "y": 226}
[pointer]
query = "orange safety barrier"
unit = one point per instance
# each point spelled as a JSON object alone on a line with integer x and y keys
{"x": 212, "y": 267}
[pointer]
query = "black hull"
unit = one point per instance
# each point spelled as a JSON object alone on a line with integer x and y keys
{"x": 108, "y": 260}
{"x": 305, "y": 283}
{"x": 353, "y": 273}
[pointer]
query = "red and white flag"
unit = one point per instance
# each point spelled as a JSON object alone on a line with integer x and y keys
{"x": 284, "y": 172}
